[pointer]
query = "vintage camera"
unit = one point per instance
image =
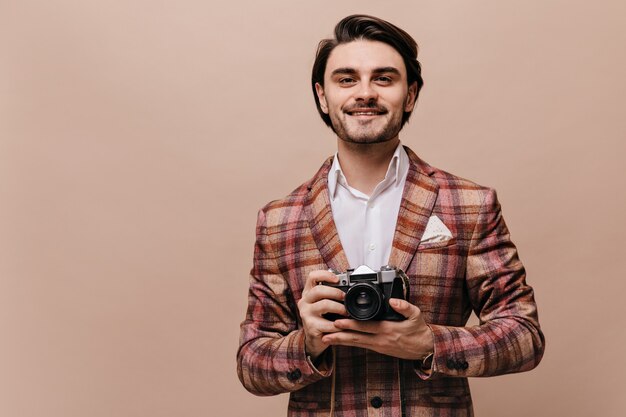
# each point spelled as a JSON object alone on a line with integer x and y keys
{"x": 368, "y": 292}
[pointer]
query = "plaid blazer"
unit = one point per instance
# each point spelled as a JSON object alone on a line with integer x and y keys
{"x": 477, "y": 270}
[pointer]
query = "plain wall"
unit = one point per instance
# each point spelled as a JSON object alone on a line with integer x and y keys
{"x": 138, "y": 139}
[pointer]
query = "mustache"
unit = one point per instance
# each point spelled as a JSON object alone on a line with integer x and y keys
{"x": 365, "y": 107}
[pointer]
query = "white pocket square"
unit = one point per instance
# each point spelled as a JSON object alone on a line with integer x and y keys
{"x": 436, "y": 231}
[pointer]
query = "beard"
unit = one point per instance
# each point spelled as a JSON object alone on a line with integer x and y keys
{"x": 366, "y": 132}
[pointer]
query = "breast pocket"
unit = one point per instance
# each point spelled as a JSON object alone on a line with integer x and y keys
{"x": 439, "y": 259}
{"x": 428, "y": 246}
{"x": 438, "y": 287}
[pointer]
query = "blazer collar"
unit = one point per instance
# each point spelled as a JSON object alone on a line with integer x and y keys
{"x": 418, "y": 199}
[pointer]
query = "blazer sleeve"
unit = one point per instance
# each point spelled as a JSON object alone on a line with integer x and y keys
{"x": 271, "y": 358}
{"x": 509, "y": 338}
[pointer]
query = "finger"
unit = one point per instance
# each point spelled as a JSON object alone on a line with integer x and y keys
{"x": 320, "y": 292}
{"x": 328, "y": 306}
{"x": 328, "y": 327}
{"x": 323, "y": 326}
{"x": 349, "y": 338}
{"x": 405, "y": 308}
{"x": 318, "y": 276}
{"x": 370, "y": 326}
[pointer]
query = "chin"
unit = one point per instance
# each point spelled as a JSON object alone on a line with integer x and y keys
{"x": 369, "y": 137}
{"x": 366, "y": 140}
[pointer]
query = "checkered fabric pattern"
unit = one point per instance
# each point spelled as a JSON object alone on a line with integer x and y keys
{"x": 477, "y": 270}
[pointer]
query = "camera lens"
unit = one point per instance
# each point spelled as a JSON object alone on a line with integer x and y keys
{"x": 363, "y": 301}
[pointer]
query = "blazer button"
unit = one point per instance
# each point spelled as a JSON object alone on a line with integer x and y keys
{"x": 294, "y": 375}
{"x": 376, "y": 402}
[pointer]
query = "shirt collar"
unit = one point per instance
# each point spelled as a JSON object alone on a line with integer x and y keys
{"x": 396, "y": 172}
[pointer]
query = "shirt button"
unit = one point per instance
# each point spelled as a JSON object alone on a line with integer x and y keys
{"x": 372, "y": 246}
{"x": 376, "y": 402}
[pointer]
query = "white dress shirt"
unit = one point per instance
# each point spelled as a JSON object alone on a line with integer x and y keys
{"x": 366, "y": 224}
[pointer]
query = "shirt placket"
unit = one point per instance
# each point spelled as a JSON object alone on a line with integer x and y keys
{"x": 369, "y": 241}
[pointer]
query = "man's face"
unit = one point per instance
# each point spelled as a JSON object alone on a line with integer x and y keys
{"x": 365, "y": 91}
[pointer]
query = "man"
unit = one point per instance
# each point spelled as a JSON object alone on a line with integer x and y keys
{"x": 376, "y": 203}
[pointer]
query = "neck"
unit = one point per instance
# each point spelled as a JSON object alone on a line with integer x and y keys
{"x": 365, "y": 165}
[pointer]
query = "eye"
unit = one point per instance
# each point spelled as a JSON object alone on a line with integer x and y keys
{"x": 346, "y": 81}
{"x": 383, "y": 79}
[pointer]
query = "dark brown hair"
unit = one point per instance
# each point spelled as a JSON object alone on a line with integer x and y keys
{"x": 357, "y": 27}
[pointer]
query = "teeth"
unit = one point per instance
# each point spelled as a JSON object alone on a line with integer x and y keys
{"x": 364, "y": 113}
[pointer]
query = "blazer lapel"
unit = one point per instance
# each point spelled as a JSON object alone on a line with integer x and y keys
{"x": 418, "y": 200}
{"x": 320, "y": 217}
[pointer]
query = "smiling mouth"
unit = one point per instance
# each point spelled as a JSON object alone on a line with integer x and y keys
{"x": 365, "y": 112}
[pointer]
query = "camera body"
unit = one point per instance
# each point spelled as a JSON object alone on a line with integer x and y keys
{"x": 368, "y": 292}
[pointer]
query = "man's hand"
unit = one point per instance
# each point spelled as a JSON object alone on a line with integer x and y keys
{"x": 408, "y": 339}
{"x": 318, "y": 300}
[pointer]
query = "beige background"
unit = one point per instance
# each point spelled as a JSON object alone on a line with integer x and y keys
{"x": 139, "y": 138}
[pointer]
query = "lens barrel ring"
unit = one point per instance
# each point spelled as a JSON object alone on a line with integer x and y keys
{"x": 364, "y": 301}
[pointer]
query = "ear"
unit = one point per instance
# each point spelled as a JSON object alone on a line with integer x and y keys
{"x": 322, "y": 97}
{"x": 411, "y": 97}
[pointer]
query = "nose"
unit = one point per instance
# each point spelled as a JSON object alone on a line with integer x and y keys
{"x": 365, "y": 92}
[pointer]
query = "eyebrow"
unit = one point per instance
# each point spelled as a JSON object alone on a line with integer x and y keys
{"x": 381, "y": 70}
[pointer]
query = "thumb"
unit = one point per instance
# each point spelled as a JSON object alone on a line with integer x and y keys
{"x": 403, "y": 307}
